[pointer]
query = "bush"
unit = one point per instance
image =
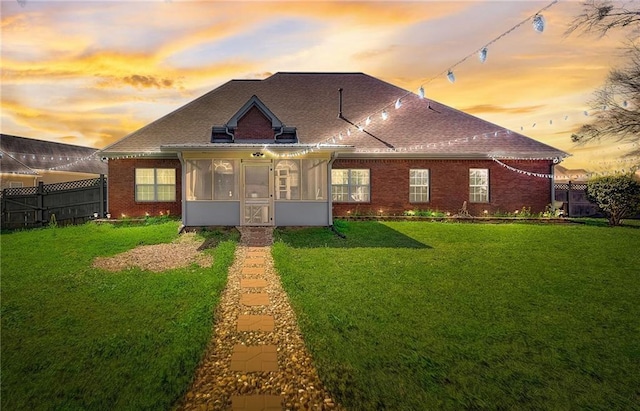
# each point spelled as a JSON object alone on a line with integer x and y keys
{"x": 618, "y": 196}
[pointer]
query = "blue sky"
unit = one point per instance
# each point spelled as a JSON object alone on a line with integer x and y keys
{"x": 90, "y": 72}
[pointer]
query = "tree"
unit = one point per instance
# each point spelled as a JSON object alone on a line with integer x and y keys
{"x": 618, "y": 196}
{"x": 617, "y": 103}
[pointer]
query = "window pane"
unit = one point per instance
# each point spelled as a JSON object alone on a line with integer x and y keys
{"x": 339, "y": 176}
{"x": 314, "y": 179}
{"x": 145, "y": 192}
{"x": 165, "y": 176}
{"x": 225, "y": 179}
{"x": 145, "y": 176}
{"x": 199, "y": 180}
{"x": 166, "y": 192}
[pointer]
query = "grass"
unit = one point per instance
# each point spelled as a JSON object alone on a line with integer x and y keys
{"x": 79, "y": 338}
{"x": 410, "y": 315}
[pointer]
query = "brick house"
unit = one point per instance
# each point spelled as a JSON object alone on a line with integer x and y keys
{"x": 303, "y": 148}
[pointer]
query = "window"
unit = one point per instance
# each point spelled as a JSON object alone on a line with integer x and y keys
{"x": 314, "y": 179}
{"x": 478, "y": 185}
{"x": 287, "y": 180}
{"x": 225, "y": 180}
{"x": 418, "y": 186}
{"x": 15, "y": 184}
{"x": 350, "y": 186}
{"x": 155, "y": 184}
{"x": 212, "y": 179}
{"x": 199, "y": 183}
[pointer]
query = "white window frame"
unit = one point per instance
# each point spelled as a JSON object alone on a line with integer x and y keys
{"x": 478, "y": 185}
{"x": 155, "y": 186}
{"x": 419, "y": 179}
{"x": 355, "y": 193}
{"x": 16, "y": 184}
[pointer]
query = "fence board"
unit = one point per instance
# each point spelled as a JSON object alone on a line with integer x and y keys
{"x": 71, "y": 202}
{"x": 574, "y": 197}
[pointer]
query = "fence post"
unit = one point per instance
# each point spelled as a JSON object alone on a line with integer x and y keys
{"x": 40, "y": 196}
{"x": 102, "y": 208}
{"x": 569, "y": 200}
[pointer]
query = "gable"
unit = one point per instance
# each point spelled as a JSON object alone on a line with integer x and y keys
{"x": 254, "y": 125}
{"x": 253, "y": 121}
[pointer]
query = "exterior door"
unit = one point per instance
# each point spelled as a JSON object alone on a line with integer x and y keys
{"x": 257, "y": 198}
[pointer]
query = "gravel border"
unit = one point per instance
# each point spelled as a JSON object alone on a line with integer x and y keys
{"x": 296, "y": 381}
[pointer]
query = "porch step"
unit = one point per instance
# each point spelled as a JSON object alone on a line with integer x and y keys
{"x": 256, "y": 236}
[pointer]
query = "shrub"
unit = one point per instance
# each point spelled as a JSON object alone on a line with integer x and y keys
{"x": 618, "y": 196}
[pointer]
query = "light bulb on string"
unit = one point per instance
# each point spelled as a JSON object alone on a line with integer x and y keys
{"x": 421, "y": 92}
{"x": 539, "y": 23}
{"x": 367, "y": 121}
{"x": 451, "y": 77}
{"x": 385, "y": 115}
{"x": 340, "y": 135}
{"x": 482, "y": 55}
{"x": 398, "y": 103}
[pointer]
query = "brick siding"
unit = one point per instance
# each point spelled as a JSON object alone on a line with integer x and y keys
{"x": 121, "y": 185}
{"x": 449, "y": 186}
{"x": 254, "y": 125}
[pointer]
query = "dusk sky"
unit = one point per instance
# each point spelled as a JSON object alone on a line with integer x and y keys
{"x": 90, "y": 72}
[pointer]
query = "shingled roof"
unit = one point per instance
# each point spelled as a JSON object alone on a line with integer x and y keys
{"x": 47, "y": 155}
{"x": 310, "y": 103}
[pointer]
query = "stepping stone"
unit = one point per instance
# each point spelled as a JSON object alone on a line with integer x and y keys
{"x": 255, "y": 254}
{"x": 253, "y": 282}
{"x": 252, "y": 270}
{"x": 254, "y": 261}
{"x": 253, "y": 299}
{"x": 256, "y": 403}
{"x": 256, "y": 251}
{"x": 256, "y": 323}
{"x": 254, "y": 358}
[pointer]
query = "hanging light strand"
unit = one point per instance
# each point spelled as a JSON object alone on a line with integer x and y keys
{"x": 482, "y": 51}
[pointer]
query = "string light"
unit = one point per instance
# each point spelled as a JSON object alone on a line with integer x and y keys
{"x": 420, "y": 93}
{"x": 385, "y": 115}
{"x": 451, "y": 77}
{"x": 482, "y": 55}
{"x": 539, "y": 23}
{"x": 399, "y": 103}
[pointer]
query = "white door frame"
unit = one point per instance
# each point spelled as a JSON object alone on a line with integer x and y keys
{"x": 256, "y": 208}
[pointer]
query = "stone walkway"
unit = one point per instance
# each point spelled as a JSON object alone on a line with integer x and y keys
{"x": 256, "y": 359}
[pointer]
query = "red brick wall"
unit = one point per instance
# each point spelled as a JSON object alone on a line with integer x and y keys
{"x": 254, "y": 125}
{"x": 449, "y": 186}
{"x": 121, "y": 182}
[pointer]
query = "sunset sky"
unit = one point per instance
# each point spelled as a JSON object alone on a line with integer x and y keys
{"x": 90, "y": 72}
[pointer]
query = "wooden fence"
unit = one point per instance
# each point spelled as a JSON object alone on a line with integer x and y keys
{"x": 72, "y": 202}
{"x": 574, "y": 198}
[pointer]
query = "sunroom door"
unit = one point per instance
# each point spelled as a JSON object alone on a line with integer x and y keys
{"x": 257, "y": 207}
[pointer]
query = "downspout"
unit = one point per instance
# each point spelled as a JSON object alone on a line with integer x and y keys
{"x": 329, "y": 197}
{"x": 183, "y": 194}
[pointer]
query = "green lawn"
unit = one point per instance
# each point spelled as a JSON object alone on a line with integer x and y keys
{"x": 78, "y": 338}
{"x": 414, "y": 316}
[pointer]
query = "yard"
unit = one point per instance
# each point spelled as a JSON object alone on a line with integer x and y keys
{"x": 409, "y": 315}
{"x": 75, "y": 337}
{"x": 398, "y": 316}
